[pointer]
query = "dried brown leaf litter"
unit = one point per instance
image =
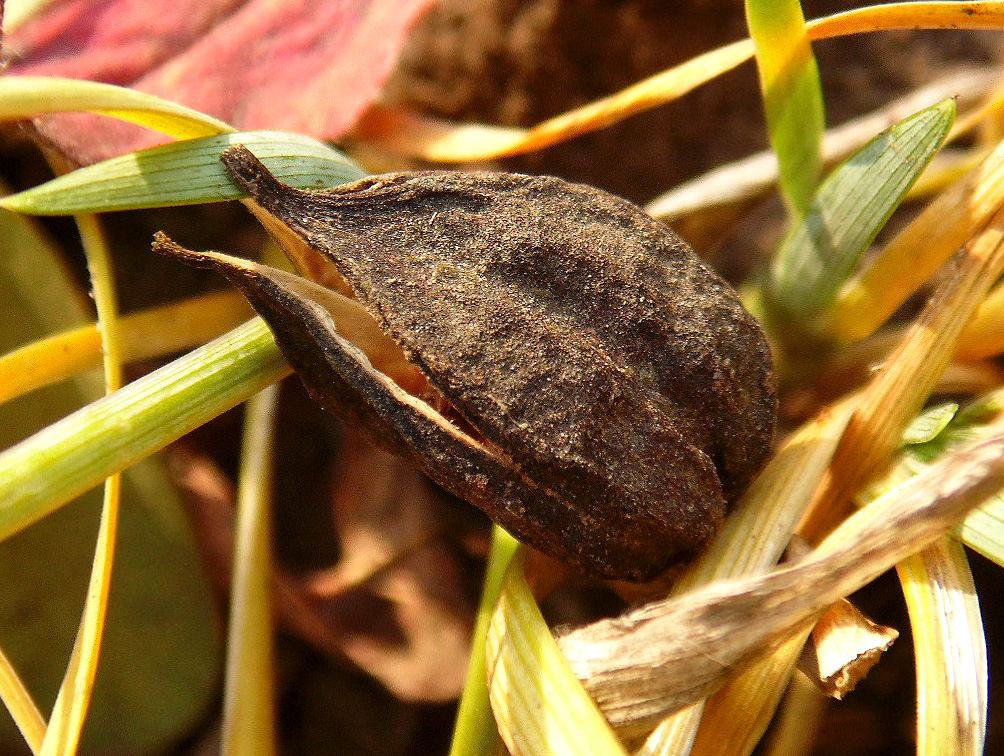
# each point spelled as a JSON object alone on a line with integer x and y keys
{"x": 544, "y": 350}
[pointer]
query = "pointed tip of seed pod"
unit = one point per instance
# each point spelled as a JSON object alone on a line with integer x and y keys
{"x": 252, "y": 175}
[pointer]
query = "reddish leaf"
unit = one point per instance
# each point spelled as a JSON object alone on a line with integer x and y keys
{"x": 310, "y": 66}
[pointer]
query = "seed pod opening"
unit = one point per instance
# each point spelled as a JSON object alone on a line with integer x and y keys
{"x": 590, "y": 383}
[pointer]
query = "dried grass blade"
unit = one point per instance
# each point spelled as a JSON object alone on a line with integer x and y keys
{"x": 664, "y": 656}
{"x": 249, "y": 726}
{"x": 19, "y": 703}
{"x": 753, "y": 539}
{"x": 754, "y": 175}
{"x": 792, "y": 96}
{"x": 950, "y": 650}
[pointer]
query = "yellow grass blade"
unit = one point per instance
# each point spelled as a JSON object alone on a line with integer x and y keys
{"x": 440, "y": 141}
{"x": 753, "y": 539}
{"x": 540, "y": 707}
{"x": 249, "y": 727}
{"x": 18, "y": 701}
{"x": 62, "y": 736}
{"x": 149, "y": 333}
{"x": 950, "y": 650}
{"x": 896, "y": 395}
{"x": 23, "y": 97}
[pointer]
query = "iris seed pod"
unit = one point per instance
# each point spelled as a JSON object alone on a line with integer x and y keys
{"x": 542, "y": 349}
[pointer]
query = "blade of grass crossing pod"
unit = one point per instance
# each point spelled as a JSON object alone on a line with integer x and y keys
{"x": 249, "y": 694}
{"x": 792, "y": 96}
{"x": 475, "y": 732}
{"x": 949, "y": 649}
{"x": 24, "y": 97}
{"x": 540, "y": 706}
{"x": 66, "y": 724}
{"x": 184, "y": 173}
{"x": 48, "y": 469}
{"x": 822, "y": 250}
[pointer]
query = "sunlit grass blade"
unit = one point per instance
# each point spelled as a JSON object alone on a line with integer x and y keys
{"x": 439, "y": 141}
{"x": 156, "y": 332}
{"x": 949, "y": 648}
{"x": 867, "y": 300}
{"x": 792, "y": 95}
{"x": 853, "y": 204}
{"x": 540, "y": 706}
{"x": 23, "y": 97}
{"x": 182, "y": 173}
{"x": 475, "y": 732}
{"x": 48, "y": 469}
{"x": 249, "y": 715}
{"x": 62, "y": 736}
{"x": 20, "y": 705}
{"x": 898, "y": 392}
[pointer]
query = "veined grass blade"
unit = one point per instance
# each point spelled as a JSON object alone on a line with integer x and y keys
{"x": 867, "y": 300}
{"x": 182, "y": 173}
{"x": 949, "y": 648}
{"x": 540, "y": 706}
{"x": 66, "y": 724}
{"x": 475, "y": 733}
{"x": 23, "y": 97}
{"x": 249, "y": 726}
{"x": 752, "y": 176}
{"x": 983, "y": 530}
{"x": 899, "y": 391}
{"x": 149, "y": 333}
{"x": 48, "y": 469}
{"x": 792, "y": 96}
{"x": 821, "y": 251}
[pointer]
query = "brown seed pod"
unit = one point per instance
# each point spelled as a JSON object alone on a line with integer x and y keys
{"x": 542, "y": 349}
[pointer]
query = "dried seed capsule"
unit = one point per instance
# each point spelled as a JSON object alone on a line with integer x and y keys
{"x": 591, "y": 384}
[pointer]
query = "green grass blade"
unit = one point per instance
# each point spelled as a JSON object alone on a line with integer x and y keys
{"x": 792, "y": 95}
{"x": 183, "y": 173}
{"x": 820, "y": 252}
{"x": 75, "y": 454}
{"x": 475, "y": 733}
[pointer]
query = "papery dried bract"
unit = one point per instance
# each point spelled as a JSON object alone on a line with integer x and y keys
{"x": 607, "y": 395}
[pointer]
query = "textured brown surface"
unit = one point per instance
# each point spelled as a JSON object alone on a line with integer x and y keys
{"x": 623, "y": 394}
